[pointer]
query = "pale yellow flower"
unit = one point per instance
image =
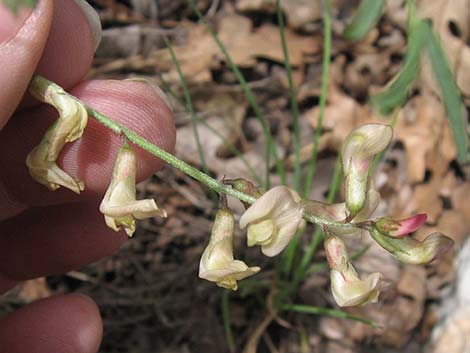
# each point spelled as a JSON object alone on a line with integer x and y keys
{"x": 347, "y": 288}
{"x": 119, "y": 205}
{"x": 69, "y": 127}
{"x": 217, "y": 262}
{"x": 273, "y": 220}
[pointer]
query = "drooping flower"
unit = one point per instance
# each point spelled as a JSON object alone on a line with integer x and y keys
{"x": 347, "y": 288}
{"x": 358, "y": 151}
{"x": 119, "y": 205}
{"x": 398, "y": 229}
{"x": 412, "y": 251}
{"x": 273, "y": 220}
{"x": 73, "y": 118}
{"x": 217, "y": 262}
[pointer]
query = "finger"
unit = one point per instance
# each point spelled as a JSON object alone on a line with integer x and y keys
{"x": 61, "y": 324}
{"x": 74, "y": 36}
{"x": 19, "y": 57}
{"x": 55, "y": 240}
{"x": 135, "y": 105}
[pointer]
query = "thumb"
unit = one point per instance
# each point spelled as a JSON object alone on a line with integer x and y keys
{"x": 20, "y": 54}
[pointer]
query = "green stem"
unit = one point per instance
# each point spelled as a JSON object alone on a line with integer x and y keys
{"x": 226, "y": 319}
{"x": 324, "y": 91}
{"x": 43, "y": 84}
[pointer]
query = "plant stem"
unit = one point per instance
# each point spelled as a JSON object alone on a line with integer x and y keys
{"x": 324, "y": 91}
{"x": 41, "y": 83}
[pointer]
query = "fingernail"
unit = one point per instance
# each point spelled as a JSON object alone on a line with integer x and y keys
{"x": 93, "y": 19}
{"x": 156, "y": 88}
{"x": 13, "y": 14}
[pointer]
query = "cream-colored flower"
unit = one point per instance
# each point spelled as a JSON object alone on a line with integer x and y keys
{"x": 217, "y": 263}
{"x": 359, "y": 148}
{"x": 119, "y": 204}
{"x": 273, "y": 220}
{"x": 347, "y": 288}
{"x": 69, "y": 127}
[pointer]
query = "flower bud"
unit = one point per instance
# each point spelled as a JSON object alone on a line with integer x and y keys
{"x": 217, "y": 263}
{"x": 273, "y": 220}
{"x": 359, "y": 148}
{"x": 398, "y": 229}
{"x": 347, "y": 288}
{"x": 412, "y": 251}
{"x": 69, "y": 127}
{"x": 119, "y": 204}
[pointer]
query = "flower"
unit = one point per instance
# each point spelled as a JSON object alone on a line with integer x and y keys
{"x": 398, "y": 229}
{"x": 347, "y": 288}
{"x": 73, "y": 118}
{"x": 217, "y": 263}
{"x": 119, "y": 204}
{"x": 273, "y": 220}
{"x": 412, "y": 251}
{"x": 359, "y": 148}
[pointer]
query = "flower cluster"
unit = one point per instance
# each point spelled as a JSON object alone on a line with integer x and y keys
{"x": 275, "y": 217}
{"x": 272, "y": 220}
{"x": 119, "y": 205}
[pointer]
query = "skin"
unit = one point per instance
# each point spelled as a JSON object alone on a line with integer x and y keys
{"x": 44, "y": 232}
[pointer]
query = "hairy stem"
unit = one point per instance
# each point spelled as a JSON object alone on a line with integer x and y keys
{"x": 42, "y": 83}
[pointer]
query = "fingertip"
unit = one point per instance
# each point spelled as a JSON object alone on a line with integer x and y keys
{"x": 20, "y": 55}
{"x": 66, "y": 323}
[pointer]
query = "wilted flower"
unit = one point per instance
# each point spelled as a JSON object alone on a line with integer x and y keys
{"x": 119, "y": 204}
{"x": 69, "y": 127}
{"x": 412, "y": 251}
{"x": 273, "y": 220}
{"x": 398, "y": 229}
{"x": 359, "y": 148}
{"x": 217, "y": 263}
{"x": 347, "y": 288}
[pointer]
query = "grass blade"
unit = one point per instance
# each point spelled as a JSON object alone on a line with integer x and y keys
{"x": 226, "y": 319}
{"x": 367, "y": 15}
{"x": 451, "y": 96}
{"x": 270, "y": 146}
{"x": 324, "y": 91}
{"x": 315, "y": 310}
{"x": 293, "y": 98}
{"x": 189, "y": 105}
{"x": 397, "y": 92}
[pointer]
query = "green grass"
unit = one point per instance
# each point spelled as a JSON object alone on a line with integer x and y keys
{"x": 367, "y": 16}
{"x": 451, "y": 96}
{"x": 270, "y": 146}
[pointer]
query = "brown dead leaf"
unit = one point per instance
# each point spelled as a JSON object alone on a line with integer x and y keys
{"x": 200, "y": 54}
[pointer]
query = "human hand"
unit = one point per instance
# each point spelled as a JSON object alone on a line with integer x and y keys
{"x": 44, "y": 232}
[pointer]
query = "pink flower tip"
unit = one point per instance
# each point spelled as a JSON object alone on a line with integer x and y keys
{"x": 398, "y": 229}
